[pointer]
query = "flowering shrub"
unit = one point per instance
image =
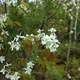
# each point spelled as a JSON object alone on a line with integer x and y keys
{"x": 34, "y": 40}
{"x": 15, "y": 45}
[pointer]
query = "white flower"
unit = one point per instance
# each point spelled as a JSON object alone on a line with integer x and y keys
{"x": 3, "y": 18}
{"x": 27, "y": 35}
{"x": 7, "y": 65}
{"x": 32, "y": 0}
{"x": 33, "y": 41}
{"x": 74, "y": 2}
{"x": 28, "y": 70}
{"x": 4, "y": 32}
{"x": 14, "y": 45}
{"x": 2, "y": 1}
{"x": 22, "y": 37}
{"x": 2, "y": 59}
{"x": 40, "y": 35}
{"x": 69, "y": 76}
{"x": 32, "y": 35}
{"x": 29, "y": 67}
{"x": 50, "y": 41}
{"x": 39, "y": 31}
{"x": 15, "y": 76}
{"x": 71, "y": 32}
{"x": 9, "y": 2}
{"x": 14, "y": 2}
{"x": 79, "y": 69}
{"x": 3, "y": 70}
{"x": 30, "y": 64}
{"x": 52, "y": 30}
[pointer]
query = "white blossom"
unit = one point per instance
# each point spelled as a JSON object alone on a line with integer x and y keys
{"x": 71, "y": 32}
{"x": 2, "y": 59}
{"x": 69, "y": 76}
{"x": 4, "y": 32}
{"x": 74, "y": 2}
{"x": 7, "y": 65}
{"x": 2, "y": 1}
{"x": 15, "y": 44}
{"x": 40, "y": 34}
{"x": 3, "y": 18}
{"x": 14, "y": 2}
{"x": 79, "y": 69}
{"x": 29, "y": 67}
{"x": 14, "y": 76}
{"x": 52, "y": 30}
{"x": 49, "y": 41}
{"x": 32, "y": 0}
{"x": 3, "y": 70}
{"x": 39, "y": 30}
{"x": 9, "y": 2}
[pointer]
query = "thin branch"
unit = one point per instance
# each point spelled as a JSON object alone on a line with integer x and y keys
{"x": 75, "y": 25}
{"x": 5, "y": 7}
{"x": 69, "y": 47}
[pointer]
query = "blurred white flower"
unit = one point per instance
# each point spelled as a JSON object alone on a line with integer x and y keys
{"x": 79, "y": 69}
{"x": 39, "y": 31}
{"x": 9, "y": 2}
{"x": 2, "y": 1}
{"x": 3, "y": 70}
{"x": 40, "y": 34}
{"x": 71, "y": 32}
{"x": 74, "y": 2}
{"x": 14, "y": 44}
{"x": 69, "y": 76}
{"x": 4, "y": 32}
{"x": 7, "y": 65}
{"x": 52, "y": 30}
{"x": 2, "y": 59}
{"x": 14, "y": 2}
{"x": 15, "y": 76}
{"x": 49, "y": 41}
{"x": 32, "y": 0}
{"x": 3, "y": 18}
{"x": 29, "y": 67}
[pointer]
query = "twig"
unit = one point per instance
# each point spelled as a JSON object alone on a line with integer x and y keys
{"x": 75, "y": 25}
{"x": 69, "y": 47}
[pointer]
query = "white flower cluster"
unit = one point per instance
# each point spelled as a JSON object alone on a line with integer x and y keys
{"x": 29, "y": 67}
{"x": 14, "y": 76}
{"x": 6, "y": 72}
{"x": 15, "y": 44}
{"x": 70, "y": 5}
{"x": 49, "y": 41}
